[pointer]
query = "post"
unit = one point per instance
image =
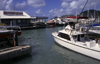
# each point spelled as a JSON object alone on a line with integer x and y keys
{"x": 10, "y": 23}
{"x": 16, "y": 38}
{"x": 94, "y": 10}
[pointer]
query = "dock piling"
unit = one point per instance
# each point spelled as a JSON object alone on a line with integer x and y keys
{"x": 16, "y": 38}
{"x": 13, "y": 52}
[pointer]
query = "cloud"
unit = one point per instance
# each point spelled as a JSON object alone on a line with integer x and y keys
{"x": 74, "y": 4}
{"x": 36, "y": 3}
{"x": 9, "y": 5}
{"x": 56, "y": 12}
{"x": 51, "y": 11}
{"x": 64, "y": 4}
{"x": 69, "y": 0}
{"x": 39, "y": 11}
{"x": 3, "y": 4}
{"x": 6, "y": 4}
{"x": 77, "y": 5}
{"x": 44, "y": 14}
{"x": 67, "y": 8}
{"x": 21, "y": 6}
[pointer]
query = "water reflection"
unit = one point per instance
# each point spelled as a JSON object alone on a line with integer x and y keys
{"x": 25, "y": 59}
{"x": 72, "y": 57}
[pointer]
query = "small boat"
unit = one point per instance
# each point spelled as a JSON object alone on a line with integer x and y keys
{"x": 4, "y": 29}
{"x": 78, "y": 41}
{"x": 50, "y": 24}
{"x": 94, "y": 28}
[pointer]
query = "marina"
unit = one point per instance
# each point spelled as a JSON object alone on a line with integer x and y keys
{"x": 78, "y": 41}
{"x": 40, "y": 32}
{"x": 46, "y": 51}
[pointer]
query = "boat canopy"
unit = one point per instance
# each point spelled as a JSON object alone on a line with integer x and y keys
{"x": 68, "y": 30}
{"x": 68, "y": 27}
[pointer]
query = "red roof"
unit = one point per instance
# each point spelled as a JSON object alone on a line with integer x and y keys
{"x": 74, "y": 17}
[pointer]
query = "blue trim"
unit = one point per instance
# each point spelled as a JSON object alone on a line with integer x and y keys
{"x": 93, "y": 25}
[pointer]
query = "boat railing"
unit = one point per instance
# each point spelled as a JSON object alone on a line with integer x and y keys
{"x": 10, "y": 27}
{"x": 55, "y": 33}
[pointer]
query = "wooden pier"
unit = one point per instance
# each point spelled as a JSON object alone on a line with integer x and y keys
{"x": 13, "y": 52}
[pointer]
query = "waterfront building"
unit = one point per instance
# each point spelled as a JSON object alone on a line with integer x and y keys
{"x": 18, "y": 18}
{"x": 15, "y": 18}
{"x": 39, "y": 19}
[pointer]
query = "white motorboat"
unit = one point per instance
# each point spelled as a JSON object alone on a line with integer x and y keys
{"x": 78, "y": 41}
{"x": 95, "y": 28}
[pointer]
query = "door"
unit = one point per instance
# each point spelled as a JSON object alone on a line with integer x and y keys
{"x": 78, "y": 39}
{"x": 14, "y": 22}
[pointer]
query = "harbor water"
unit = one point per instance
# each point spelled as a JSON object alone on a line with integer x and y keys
{"x": 46, "y": 51}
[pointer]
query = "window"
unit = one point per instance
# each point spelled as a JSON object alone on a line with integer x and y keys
{"x": 75, "y": 36}
{"x": 65, "y": 36}
{"x": 82, "y": 35}
{"x": 24, "y": 21}
{"x": 7, "y": 22}
{"x": 18, "y": 21}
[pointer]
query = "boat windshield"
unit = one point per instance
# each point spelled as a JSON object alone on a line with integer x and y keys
{"x": 65, "y": 36}
{"x": 81, "y": 37}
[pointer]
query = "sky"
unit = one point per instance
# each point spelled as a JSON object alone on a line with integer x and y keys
{"x": 49, "y": 8}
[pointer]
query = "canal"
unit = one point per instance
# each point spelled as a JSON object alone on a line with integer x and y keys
{"x": 46, "y": 51}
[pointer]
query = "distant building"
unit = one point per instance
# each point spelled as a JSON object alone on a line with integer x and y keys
{"x": 17, "y": 18}
{"x": 38, "y": 19}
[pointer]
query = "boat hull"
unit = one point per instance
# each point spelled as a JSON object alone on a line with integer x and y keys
{"x": 83, "y": 50}
{"x": 9, "y": 35}
{"x": 57, "y": 24}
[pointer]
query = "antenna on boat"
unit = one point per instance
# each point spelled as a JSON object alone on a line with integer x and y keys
{"x": 98, "y": 16}
{"x": 14, "y": 7}
{"x": 83, "y": 9}
{"x": 94, "y": 9}
{"x": 88, "y": 13}
{"x": 76, "y": 13}
{"x": 1, "y": 9}
{"x": 0, "y": 19}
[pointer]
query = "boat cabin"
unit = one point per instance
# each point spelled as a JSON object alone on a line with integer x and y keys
{"x": 71, "y": 34}
{"x": 79, "y": 37}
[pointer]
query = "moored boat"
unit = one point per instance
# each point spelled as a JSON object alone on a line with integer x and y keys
{"x": 4, "y": 29}
{"x": 50, "y": 24}
{"x": 78, "y": 41}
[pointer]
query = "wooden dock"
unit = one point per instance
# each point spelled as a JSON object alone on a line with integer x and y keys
{"x": 13, "y": 52}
